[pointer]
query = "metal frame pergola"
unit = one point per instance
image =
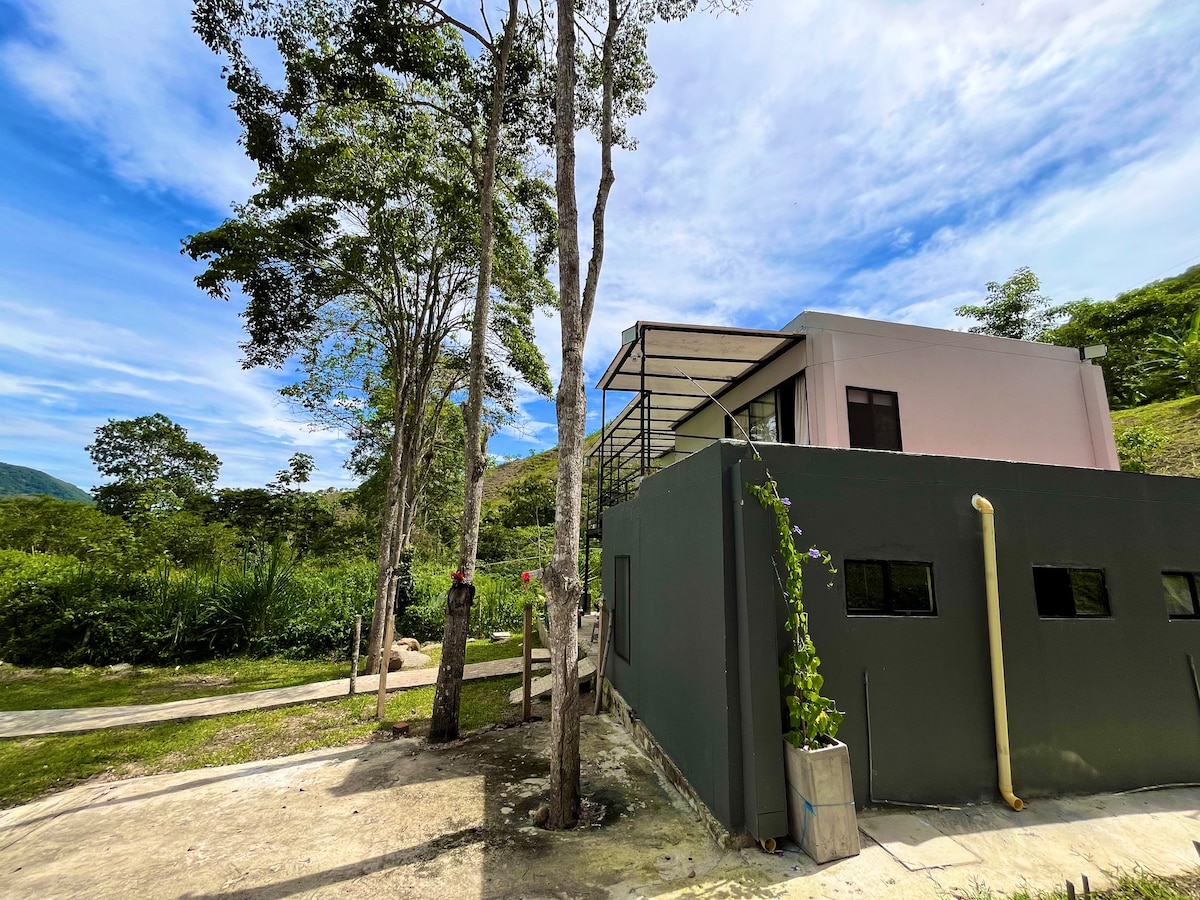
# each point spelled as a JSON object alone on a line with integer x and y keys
{"x": 672, "y": 371}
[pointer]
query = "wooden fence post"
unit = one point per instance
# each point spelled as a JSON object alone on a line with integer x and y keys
{"x": 527, "y": 680}
{"x": 603, "y": 629}
{"x": 354, "y": 654}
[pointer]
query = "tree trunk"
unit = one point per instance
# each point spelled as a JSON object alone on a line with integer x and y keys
{"x": 444, "y": 726}
{"x": 562, "y": 583}
{"x": 390, "y": 542}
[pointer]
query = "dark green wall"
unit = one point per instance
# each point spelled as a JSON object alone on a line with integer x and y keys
{"x": 1094, "y": 705}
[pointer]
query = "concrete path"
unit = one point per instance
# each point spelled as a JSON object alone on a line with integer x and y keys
{"x": 25, "y": 723}
{"x": 399, "y": 819}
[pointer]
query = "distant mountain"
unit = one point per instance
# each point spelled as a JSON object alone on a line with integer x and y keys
{"x": 16, "y": 481}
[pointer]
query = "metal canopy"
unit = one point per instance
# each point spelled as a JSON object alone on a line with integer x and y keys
{"x": 672, "y": 370}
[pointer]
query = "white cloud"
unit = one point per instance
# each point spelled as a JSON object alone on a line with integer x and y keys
{"x": 135, "y": 75}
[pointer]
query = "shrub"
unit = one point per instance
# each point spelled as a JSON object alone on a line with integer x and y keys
{"x": 1137, "y": 447}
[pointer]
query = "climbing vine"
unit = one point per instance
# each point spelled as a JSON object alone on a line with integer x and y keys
{"x": 814, "y": 720}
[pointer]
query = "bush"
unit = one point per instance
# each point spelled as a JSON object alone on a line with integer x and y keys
{"x": 1137, "y": 447}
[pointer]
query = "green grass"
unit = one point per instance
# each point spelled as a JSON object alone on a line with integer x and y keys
{"x": 1135, "y": 885}
{"x": 87, "y": 686}
{"x": 32, "y": 767}
{"x": 485, "y": 651}
{"x": 1179, "y": 421}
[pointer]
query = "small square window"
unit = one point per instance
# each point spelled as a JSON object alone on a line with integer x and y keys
{"x": 1181, "y": 591}
{"x": 1070, "y": 593}
{"x": 873, "y": 418}
{"x": 886, "y": 588}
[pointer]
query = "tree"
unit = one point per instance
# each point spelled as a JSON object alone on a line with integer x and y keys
{"x": 611, "y": 82}
{"x": 1177, "y": 356}
{"x": 361, "y": 253}
{"x": 153, "y": 464}
{"x": 1014, "y": 309}
{"x": 1127, "y": 326}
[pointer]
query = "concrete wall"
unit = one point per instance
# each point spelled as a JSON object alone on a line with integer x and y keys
{"x": 681, "y": 678}
{"x": 1094, "y": 704}
{"x": 960, "y": 394}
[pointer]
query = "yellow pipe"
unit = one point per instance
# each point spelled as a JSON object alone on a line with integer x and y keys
{"x": 999, "y": 704}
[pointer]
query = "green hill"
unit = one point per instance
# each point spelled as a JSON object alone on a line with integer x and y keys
{"x": 1178, "y": 424}
{"x": 17, "y": 481}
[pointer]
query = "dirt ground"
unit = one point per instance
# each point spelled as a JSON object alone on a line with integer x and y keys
{"x": 400, "y": 819}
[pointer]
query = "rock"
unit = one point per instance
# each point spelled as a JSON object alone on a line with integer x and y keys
{"x": 409, "y": 643}
{"x": 57, "y": 670}
{"x": 413, "y": 660}
{"x": 120, "y": 667}
{"x": 396, "y": 658}
{"x": 501, "y": 635}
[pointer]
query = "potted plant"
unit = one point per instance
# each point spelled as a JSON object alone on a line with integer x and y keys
{"x": 821, "y": 815}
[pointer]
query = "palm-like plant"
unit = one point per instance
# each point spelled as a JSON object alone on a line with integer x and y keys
{"x": 1177, "y": 356}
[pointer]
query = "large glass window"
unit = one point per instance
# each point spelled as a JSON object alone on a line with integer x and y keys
{"x": 874, "y": 418}
{"x": 877, "y": 587}
{"x": 1182, "y": 594}
{"x": 1070, "y": 593}
{"x": 770, "y": 417}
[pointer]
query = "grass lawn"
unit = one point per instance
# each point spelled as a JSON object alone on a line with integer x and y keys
{"x": 31, "y": 767}
{"x": 87, "y": 686}
{"x": 484, "y": 650}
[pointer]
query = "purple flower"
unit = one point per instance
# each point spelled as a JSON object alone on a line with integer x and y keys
{"x": 796, "y": 528}
{"x": 814, "y": 552}
{"x": 785, "y": 501}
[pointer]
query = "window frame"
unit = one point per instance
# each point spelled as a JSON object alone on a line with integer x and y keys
{"x": 890, "y": 610}
{"x": 1194, "y": 585}
{"x": 1074, "y": 607}
{"x": 870, "y": 404}
{"x": 783, "y": 396}
{"x": 622, "y": 591}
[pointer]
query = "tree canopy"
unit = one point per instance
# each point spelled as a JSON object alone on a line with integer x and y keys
{"x": 1016, "y": 309}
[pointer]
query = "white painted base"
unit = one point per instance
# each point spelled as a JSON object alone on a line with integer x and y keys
{"x": 821, "y": 815}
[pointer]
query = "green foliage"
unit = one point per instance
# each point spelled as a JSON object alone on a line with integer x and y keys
{"x": 1176, "y": 357}
{"x": 21, "y": 481}
{"x": 1128, "y": 325}
{"x": 153, "y": 464}
{"x": 1015, "y": 309}
{"x": 1178, "y": 422}
{"x": 814, "y": 720}
{"x": 1137, "y": 447}
{"x": 60, "y": 528}
{"x": 528, "y": 500}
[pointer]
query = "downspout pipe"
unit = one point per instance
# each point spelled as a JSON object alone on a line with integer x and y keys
{"x": 987, "y": 516}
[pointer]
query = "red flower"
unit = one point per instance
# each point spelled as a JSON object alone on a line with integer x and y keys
{"x": 459, "y": 577}
{"x": 525, "y": 577}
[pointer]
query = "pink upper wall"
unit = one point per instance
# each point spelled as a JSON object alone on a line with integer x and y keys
{"x": 959, "y": 394}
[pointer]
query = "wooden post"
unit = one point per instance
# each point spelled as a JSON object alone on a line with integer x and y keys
{"x": 354, "y": 654}
{"x": 600, "y": 663}
{"x": 384, "y": 658}
{"x": 527, "y": 680}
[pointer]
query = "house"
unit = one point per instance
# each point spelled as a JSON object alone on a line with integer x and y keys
{"x": 881, "y": 435}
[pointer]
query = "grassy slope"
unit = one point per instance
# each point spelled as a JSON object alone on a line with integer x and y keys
{"x": 1179, "y": 420}
{"x": 544, "y": 463}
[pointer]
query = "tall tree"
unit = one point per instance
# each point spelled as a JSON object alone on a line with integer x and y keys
{"x": 364, "y": 243}
{"x": 606, "y": 84}
{"x": 152, "y": 463}
{"x": 1015, "y": 309}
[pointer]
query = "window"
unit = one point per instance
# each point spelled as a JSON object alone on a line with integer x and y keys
{"x": 1070, "y": 593}
{"x": 770, "y": 418}
{"x": 621, "y": 606}
{"x": 1182, "y": 594}
{"x": 874, "y": 418}
{"x": 885, "y": 588}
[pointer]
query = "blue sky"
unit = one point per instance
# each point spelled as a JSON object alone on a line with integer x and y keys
{"x": 876, "y": 158}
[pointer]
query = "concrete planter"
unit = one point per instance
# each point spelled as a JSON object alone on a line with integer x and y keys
{"x": 821, "y": 802}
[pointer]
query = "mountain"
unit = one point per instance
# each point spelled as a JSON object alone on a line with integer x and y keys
{"x": 16, "y": 481}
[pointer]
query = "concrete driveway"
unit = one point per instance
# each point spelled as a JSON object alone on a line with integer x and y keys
{"x": 402, "y": 820}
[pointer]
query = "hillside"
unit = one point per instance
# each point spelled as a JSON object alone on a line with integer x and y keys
{"x": 16, "y": 481}
{"x": 544, "y": 463}
{"x": 1176, "y": 420}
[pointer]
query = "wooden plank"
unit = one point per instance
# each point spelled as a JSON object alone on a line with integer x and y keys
{"x": 541, "y": 686}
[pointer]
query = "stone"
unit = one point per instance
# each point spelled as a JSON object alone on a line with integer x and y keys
{"x": 501, "y": 635}
{"x": 396, "y": 658}
{"x": 120, "y": 667}
{"x": 409, "y": 643}
{"x": 413, "y": 660}
{"x": 57, "y": 670}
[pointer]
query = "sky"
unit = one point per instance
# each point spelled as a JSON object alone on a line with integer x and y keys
{"x": 884, "y": 158}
